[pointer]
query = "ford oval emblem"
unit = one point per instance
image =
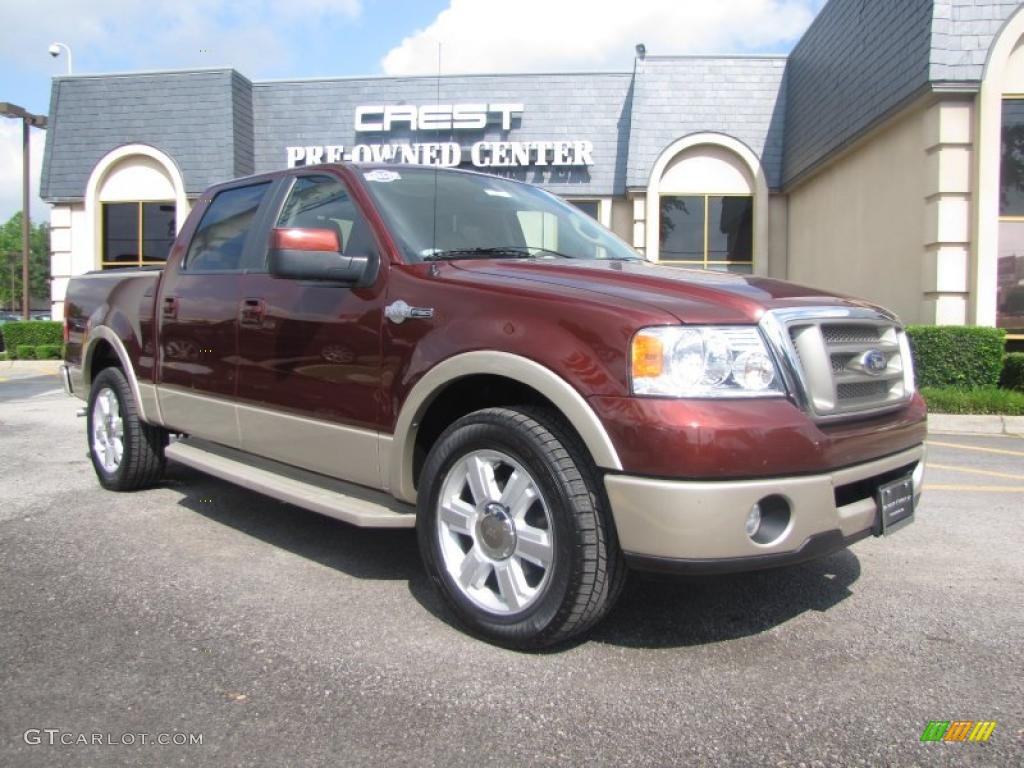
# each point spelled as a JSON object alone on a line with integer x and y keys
{"x": 873, "y": 362}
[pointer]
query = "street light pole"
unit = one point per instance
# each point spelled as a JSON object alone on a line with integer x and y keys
{"x": 27, "y": 120}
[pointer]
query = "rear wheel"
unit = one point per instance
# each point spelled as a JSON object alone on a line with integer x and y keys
{"x": 512, "y": 528}
{"x": 126, "y": 453}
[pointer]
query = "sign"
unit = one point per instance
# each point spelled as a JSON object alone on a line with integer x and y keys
{"x": 382, "y": 118}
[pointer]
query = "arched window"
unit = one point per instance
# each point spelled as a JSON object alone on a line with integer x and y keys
{"x": 137, "y": 204}
{"x": 706, "y": 206}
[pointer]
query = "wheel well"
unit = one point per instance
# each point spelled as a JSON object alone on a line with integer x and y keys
{"x": 102, "y": 356}
{"x": 465, "y": 395}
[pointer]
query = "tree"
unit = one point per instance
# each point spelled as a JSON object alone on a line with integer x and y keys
{"x": 10, "y": 261}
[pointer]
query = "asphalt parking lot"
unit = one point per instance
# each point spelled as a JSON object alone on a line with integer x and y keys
{"x": 286, "y": 638}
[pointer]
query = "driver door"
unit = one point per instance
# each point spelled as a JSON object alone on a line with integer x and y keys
{"x": 309, "y": 352}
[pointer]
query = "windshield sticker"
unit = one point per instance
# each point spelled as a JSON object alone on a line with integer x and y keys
{"x": 380, "y": 175}
{"x": 497, "y": 192}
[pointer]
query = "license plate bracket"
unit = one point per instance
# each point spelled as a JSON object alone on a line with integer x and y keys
{"x": 895, "y": 504}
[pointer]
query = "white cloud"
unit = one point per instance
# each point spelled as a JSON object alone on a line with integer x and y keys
{"x": 10, "y": 171}
{"x": 538, "y": 35}
{"x": 255, "y": 36}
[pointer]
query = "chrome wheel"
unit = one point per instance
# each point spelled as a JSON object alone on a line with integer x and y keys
{"x": 107, "y": 430}
{"x": 495, "y": 532}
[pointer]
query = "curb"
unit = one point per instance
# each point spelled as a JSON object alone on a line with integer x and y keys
{"x": 976, "y": 424}
{"x": 50, "y": 366}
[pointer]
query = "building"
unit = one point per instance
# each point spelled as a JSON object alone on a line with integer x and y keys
{"x": 884, "y": 157}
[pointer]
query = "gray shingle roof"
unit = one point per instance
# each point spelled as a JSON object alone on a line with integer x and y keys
{"x": 188, "y": 115}
{"x": 742, "y": 97}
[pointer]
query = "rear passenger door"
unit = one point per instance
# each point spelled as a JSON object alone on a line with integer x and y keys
{"x": 197, "y": 316}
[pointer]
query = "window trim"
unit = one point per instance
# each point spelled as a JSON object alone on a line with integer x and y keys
{"x": 140, "y": 235}
{"x": 272, "y": 185}
{"x": 705, "y": 262}
{"x": 1017, "y": 218}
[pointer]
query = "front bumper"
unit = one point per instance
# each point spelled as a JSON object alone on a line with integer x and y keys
{"x": 699, "y": 527}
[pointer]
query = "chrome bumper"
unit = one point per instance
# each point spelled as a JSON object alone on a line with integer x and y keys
{"x": 694, "y": 526}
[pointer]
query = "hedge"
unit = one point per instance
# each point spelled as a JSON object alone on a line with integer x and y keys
{"x": 1013, "y": 371}
{"x": 956, "y": 355}
{"x": 49, "y": 352}
{"x": 32, "y": 333}
{"x": 25, "y": 352}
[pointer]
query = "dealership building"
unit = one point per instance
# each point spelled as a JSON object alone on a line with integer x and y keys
{"x": 883, "y": 157}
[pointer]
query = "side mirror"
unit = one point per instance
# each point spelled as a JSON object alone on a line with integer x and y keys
{"x": 313, "y": 254}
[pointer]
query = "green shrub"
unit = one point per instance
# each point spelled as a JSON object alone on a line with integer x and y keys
{"x": 1005, "y": 402}
{"x": 3, "y": 356}
{"x": 49, "y": 352}
{"x": 25, "y": 352}
{"x": 956, "y": 355}
{"x": 1013, "y": 371}
{"x": 32, "y": 333}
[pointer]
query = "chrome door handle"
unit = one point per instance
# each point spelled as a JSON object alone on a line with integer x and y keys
{"x": 398, "y": 312}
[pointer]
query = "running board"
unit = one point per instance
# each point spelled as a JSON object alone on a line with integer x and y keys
{"x": 350, "y": 503}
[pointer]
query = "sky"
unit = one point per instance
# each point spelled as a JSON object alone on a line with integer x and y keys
{"x": 266, "y": 39}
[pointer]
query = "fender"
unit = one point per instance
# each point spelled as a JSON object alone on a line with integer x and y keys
{"x": 144, "y": 394}
{"x": 397, "y": 451}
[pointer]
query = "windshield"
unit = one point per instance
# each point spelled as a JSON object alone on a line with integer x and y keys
{"x": 479, "y": 216}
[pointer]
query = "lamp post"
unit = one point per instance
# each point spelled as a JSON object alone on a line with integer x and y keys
{"x": 27, "y": 120}
{"x": 55, "y": 52}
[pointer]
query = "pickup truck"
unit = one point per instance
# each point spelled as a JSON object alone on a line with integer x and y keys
{"x": 403, "y": 346}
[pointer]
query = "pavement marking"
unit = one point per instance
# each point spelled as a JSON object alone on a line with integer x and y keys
{"x": 988, "y": 472}
{"x": 44, "y": 394}
{"x": 986, "y": 488}
{"x": 976, "y": 448}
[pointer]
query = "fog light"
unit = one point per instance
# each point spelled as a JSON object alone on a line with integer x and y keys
{"x": 768, "y": 520}
{"x": 753, "y": 520}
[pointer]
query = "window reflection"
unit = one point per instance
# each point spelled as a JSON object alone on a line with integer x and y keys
{"x": 707, "y": 231}
{"x": 1010, "y": 286}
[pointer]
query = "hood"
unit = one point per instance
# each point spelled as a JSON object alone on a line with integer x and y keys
{"x": 690, "y": 295}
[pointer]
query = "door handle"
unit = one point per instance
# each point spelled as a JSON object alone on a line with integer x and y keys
{"x": 170, "y": 307}
{"x": 252, "y": 312}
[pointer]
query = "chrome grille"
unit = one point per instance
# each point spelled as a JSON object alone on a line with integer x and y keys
{"x": 835, "y": 358}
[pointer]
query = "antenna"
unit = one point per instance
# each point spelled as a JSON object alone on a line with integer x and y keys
{"x": 433, "y": 242}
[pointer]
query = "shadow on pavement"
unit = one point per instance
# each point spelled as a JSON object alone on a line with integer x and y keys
{"x": 653, "y": 611}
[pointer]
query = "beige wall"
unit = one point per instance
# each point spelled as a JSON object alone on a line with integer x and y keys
{"x": 889, "y": 221}
{"x": 778, "y": 236}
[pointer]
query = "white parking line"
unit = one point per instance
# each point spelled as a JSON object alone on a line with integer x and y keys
{"x": 46, "y": 394}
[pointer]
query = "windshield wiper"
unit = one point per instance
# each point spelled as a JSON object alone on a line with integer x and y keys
{"x": 478, "y": 253}
{"x": 502, "y": 252}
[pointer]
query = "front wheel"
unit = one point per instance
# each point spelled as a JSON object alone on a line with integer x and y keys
{"x": 513, "y": 531}
{"x": 126, "y": 453}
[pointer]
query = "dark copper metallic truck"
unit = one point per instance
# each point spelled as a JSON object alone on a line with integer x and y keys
{"x": 403, "y": 346}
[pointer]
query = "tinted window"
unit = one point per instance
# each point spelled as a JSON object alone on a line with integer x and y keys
{"x": 322, "y": 202}
{"x": 589, "y": 207}
{"x": 682, "y": 228}
{"x": 432, "y": 212}
{"x": 1011, "y": 167}
{"x": 708, "y": 231}
{"x": 137, "y": 233}
{"x": 120, "y": 234}
{"x": 157, "y": 231}
{"x": 220, "y": 237}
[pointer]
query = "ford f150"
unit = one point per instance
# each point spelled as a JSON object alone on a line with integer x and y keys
{"x": 406, "y": 346}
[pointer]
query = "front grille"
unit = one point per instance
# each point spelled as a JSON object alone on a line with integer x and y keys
{"x": 848, "y": 362}
{"x": 849, "y": 334}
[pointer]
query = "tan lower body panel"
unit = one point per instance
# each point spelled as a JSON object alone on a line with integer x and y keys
{"x": 706, "y": 520}
{"x": 335, "y": 498}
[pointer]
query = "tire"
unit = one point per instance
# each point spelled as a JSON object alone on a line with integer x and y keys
{"x": 513, "y": 528}
{"x": 126, "y": 453}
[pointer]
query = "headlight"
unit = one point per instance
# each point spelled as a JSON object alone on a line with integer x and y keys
{"x": 703, "y": 361}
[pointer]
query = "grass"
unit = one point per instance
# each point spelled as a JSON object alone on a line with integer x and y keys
{"x": 1005, "y": 402}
